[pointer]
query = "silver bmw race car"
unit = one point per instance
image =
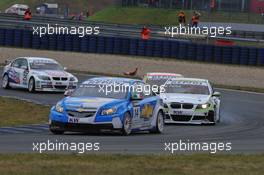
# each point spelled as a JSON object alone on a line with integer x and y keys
{"x": 190, "y": 101}
{"x": 37, "y": 74}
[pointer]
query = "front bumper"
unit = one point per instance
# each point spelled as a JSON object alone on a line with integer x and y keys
{"x": 194, "y": 118}
{"x": 61, "y": 121}
{"x": 81, "y": 127}
{"x": 55, "y": 86}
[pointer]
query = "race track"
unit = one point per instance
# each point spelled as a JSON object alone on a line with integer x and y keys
{"x": 242, "y": 124}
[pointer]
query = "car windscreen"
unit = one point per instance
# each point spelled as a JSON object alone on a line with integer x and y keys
{"x": 158, "y": 79}
{"x": 45, "y": 65}
{"x": 98, "y": 91}
{"x": 187, "y": 89}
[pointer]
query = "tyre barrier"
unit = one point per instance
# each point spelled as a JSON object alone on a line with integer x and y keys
{"x": 235, "y": 55}
{"x": 76, "y": 43}
{"x": 9, "y": 37}
{"x": 124, "y": 46}
{"x": 149, "y": 48}
{"x": 157, "y": 52}
{"x": 131, "y": 46}
{"x": 182, "y": 50}
{"x": 141, "y": 47}
{"x": 166, "y": 47}
{"x": 200, "y": 52}
{"x": 2, "y": 37}
{"x": 84, "y": 44}
{"x": 27, "y": 39}
{"x": 35, "y": 42}
{"x": 227, "y": 55}
{"x": 18, "y": 38}
{"x": 60, "y": 42}
{"x": 109, "y": 45}
{"x": 68, "y": 43}
{"x": 244, "y": 54}
{"x": 191, "y": 54}
{"x": 117, "y": 46}
{"x": 261, "y": 56}
{"x": 52, "y": 42}
{"x": 92, "y": 44}
{"x": 44, "y": 42}
{"x": 101, "y": 45}
{"x": 218, "y": 54}
{"x": 253, "y": 52}
{"x": 174, "y": 49}
{"x": 209, "y": 53}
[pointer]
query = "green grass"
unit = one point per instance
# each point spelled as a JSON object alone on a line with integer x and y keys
{"x": 17, "y": 112}
{"x": 46, "y": 164}
{"x": 154, "y": 16}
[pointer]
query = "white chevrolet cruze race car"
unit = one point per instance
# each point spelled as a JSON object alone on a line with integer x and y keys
{"x": 190, "y": 101}
{"x": 37, "y": 74}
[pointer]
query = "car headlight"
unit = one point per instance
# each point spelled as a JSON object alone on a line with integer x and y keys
{"x": 109, "y": 111}
{"x": 203, "y": 106}
{"x": 59, "y": 108}
{"x": 43, "y": 77}
{"x": 72, "y": 79}
{"x": 165, "y": 105}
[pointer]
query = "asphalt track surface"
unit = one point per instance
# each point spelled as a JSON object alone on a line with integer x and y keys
{"x": 242, "y": 124}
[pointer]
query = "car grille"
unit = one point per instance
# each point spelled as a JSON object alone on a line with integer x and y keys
{"x": 56, "y": 78}
{"x": 175, "y": 105}
{"x": 60, "y": 78}
{"x": 187, "y": 106}
{"x": 60, "y": 87}
{"x": 181, "y": 117}
{"x": 77, "y": 114}
{"x": 181, "y": 105}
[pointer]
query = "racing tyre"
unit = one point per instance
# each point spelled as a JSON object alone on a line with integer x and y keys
{"x": 31, "y": 85}
{"x": 127, "y": 125}
{"x": 211, "y": 117}
{"x": 159, "y": 123}
{"x": 57, "y": 132}
{"x": 5, "y": 82}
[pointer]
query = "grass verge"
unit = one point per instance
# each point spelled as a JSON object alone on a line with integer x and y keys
{"x": 159, "y": 16}
{"x": 17, "y": 112}
{"x": 45, "y": 164}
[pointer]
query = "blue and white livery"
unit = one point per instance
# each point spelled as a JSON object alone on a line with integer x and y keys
{"x": 108, "y": 104}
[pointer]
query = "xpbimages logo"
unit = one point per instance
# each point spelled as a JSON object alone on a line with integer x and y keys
{"x": 56, "y": 146}
{"x": 173, "y": 31}
{"x": 81, "y": 31}
{"x": 183, "y": 146}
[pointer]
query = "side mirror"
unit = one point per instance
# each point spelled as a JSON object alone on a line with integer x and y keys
{"x": 68, "y": 92}
{"x": 216, "y": 94}
{"x": 7, "y": 62}
{"x": 65, "y": 68}
{"x": 136, "y": 96}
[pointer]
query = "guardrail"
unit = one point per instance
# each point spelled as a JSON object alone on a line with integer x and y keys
{"x": 134, "y": 46}
{"x": 113, "y": 29}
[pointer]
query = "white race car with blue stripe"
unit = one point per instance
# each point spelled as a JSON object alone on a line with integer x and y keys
{"x": 37, "y": 74}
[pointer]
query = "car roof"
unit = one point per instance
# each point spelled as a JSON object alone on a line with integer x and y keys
{"x": 114, "y": 79}
{"x": 38, "y": 58}
{"x": 20, "y": 5}
{"x": 163, "y": 73}
{"x": 190, "y": 79}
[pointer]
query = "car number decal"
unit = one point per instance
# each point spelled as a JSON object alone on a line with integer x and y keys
{"x": 73, "y": 120}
